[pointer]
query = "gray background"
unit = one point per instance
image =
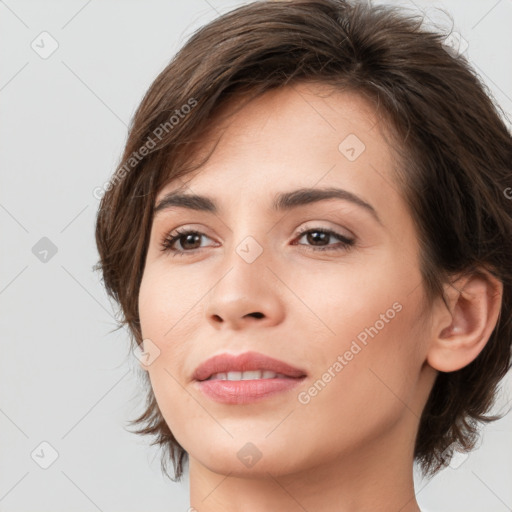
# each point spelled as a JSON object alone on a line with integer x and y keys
{"x": 65, "y": 378}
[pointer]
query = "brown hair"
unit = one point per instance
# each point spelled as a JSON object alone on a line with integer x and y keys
{"x": 455, "y": 149}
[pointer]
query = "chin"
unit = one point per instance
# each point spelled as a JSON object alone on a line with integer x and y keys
{"x": 245, "y": 458}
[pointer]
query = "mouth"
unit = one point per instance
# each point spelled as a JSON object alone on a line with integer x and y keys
{"x": 246, "y": 366}
{"x": 245, "y": 378}
{"x": 248, "y": 375}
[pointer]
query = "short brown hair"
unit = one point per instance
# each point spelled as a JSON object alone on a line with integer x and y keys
{"x": 455, "y": 149}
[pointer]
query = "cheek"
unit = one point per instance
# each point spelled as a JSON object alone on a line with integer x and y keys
{"x": 367, "y": 343}
{"x": 166, "y": 307}
{"x": 361, "y": 390}
{"x": 357, "y": 299}
{"x": 171, "y": 308}
{"x": 168, "y": 300}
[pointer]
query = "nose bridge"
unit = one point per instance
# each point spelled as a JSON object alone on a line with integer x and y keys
{"x": 249, "y": 239}
{"x": 245, "y": 272}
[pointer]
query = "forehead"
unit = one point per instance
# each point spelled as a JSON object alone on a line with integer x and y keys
{"x": 295, "y": 136}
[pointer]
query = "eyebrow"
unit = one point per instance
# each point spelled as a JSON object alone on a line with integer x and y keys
{"x": 282, "y": 202}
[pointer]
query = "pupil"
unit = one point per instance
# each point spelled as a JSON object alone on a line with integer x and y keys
{"x": 317, "y": 236}
{"x": 190, "y": 238}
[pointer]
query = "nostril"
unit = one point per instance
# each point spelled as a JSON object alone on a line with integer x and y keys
{"x": 256, "y": 315}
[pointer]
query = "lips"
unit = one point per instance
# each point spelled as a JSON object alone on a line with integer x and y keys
{"x": 248, "y": 361}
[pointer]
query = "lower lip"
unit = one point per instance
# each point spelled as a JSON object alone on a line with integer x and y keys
{"x": 246, "y": 391}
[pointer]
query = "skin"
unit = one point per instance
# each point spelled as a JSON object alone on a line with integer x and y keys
{"x": 350, "y": 448}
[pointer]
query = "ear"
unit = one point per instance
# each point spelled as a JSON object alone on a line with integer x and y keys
{"x": 460, "y": 333}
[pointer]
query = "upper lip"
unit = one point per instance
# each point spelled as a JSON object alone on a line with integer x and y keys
{"x": 223, "y": 363}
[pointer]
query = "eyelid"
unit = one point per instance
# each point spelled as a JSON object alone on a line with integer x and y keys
{"x": 314, "y": 225}
{"x": 299, "y": 231}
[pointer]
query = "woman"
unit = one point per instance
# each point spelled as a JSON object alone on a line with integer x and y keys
{"x": 310, "y": 238}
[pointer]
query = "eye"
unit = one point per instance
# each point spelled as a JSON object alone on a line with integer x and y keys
{"x": 190, "y": 240}
{"x": 186, "y": 238}
{"x": 319, "y": 236}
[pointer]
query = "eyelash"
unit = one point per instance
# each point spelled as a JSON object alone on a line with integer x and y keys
{"x": 345, "y": 243}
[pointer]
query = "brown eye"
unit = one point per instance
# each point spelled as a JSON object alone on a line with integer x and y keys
{"x": 189, "y": 240}
{"x": 319, "y": 238}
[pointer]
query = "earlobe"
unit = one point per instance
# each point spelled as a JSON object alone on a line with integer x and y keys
{"x": 460, "y": 333}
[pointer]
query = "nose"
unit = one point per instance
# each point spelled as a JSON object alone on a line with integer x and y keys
{"x": 248, "y": 294}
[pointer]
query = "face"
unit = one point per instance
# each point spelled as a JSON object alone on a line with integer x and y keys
{"x": 330, "y": 286}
